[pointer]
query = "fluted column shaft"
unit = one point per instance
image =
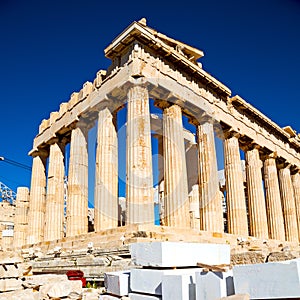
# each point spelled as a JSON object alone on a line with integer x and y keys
{"x": 139, "y": 185}
{"x": 288, "y": 205}
{"x": 210, "y": 203}
{"x": 176, "y": 187}
{"x": 106, "y": 179}
{"x": 77, "y": 202}
{"x": 296, "y": 186}
{"x": 235, "y": 195}
{"x": 256, "y": 198}
{"x": 273, "y": 201}
{"x": 36, "y": 215}
{"x": 54, "y": 216}
{"x": 21, "y": 217}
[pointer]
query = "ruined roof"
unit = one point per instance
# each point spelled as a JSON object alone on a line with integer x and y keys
{"x": 181, "y": 54}
{"x": 141, "y": 29}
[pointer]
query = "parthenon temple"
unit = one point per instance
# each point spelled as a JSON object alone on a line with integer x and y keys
{"x": 178, "y": 112}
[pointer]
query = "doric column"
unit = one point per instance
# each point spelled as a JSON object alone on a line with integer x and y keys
{"x": 256, "y": 199}
{"x": 54, "y": 216}
{"x": 273, "y": 202}
{"x": 210, "y": 202}
{"x": 139, "y": 185}
{"x": 235, "y": 195}
{"x": 288, "y": 204}
{"x": 21, "y": 217}
{"x": 106, "y": 178}
{"x": 77, "y": 201}
{"x": 36, "y": 214}
{"x": 296, "y": 186}
{"x": 176, "y": 187}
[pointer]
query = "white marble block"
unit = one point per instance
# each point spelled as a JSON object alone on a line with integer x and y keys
{"x": 135, "y": 296}
{"x": 268, "y": 280}
{"x": 10, "y": 284}
{"x": 179, "y": 254}
{"x": 178, "y": 287}
{"x": 214, "y": 285}
{"x": 108, "y": 297}
{"x": 149, "y": 281}
{"x": 117, "y": 283}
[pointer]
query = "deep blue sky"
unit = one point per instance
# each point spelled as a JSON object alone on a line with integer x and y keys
{"x": 50, "y": 48}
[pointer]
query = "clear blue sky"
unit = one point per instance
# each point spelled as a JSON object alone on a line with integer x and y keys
{"x": 50, "y": 48}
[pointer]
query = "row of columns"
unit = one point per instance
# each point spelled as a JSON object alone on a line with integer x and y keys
{"x": 270, "y": 213}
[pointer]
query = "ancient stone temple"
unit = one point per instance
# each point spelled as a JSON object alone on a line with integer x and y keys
{"x": 149, "y": 69}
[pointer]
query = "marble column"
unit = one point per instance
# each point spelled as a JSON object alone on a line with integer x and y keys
{"x": 139, "y": 179}
{"x": 77, "y": 201}
{"x": 176, "y": 186}
{"x": 273, "y": 201}
{"x": 37, "y": 202}
{"x": 21, "y": 217}
{"x": 235, "y": 195}
{"x": 210, "y": 202}
{"x": 288, "y": 205}
{"x": 106, "y": 178}
{"x": 55, "y": 198}
{"x": 296, "y": 187}
{"x": 256, "y": 199}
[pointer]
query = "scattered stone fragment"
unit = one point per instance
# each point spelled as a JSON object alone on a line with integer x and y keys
{"x": 10, "y": 284}
{"x": 27, "y": 294}
{"x": 280, "y": 256}
{"x": 251, "y": 257}
{"x": 237, "y": 297}
{"x": 117, "y": 283}
{"x": 60, "y": 289}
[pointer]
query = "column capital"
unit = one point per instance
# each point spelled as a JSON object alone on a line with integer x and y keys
{"x": 228, "y": 133}
{"x": 43, "y": 153}
{"x": 283, "y": 165}
{"x": 53, "y": 140}
{"x": 270, "y": 155}
{"x": 162, "y": 104}
{"x": 253, "y": 146}
{"x": 60, "y": 140}
{"x": 82, "y": 123}
{"x": 203, "y": 118}
{"x": 295, "y": 169}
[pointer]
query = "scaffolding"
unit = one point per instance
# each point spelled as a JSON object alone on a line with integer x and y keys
{"x": 7, "y": 194}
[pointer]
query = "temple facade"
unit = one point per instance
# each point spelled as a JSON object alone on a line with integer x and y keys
{"x": 263, "y": 201}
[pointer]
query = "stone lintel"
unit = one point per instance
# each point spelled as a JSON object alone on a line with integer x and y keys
{"x": 228, "y": 133}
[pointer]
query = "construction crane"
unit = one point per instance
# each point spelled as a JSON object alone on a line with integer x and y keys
{"x": 6, "y": 193}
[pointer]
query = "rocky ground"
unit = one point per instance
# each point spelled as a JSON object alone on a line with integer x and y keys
{"x": 39, "y": 272}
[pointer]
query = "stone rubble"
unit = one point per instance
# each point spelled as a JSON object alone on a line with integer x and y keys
{"x": 157, "y": 270}
{"x": 151, "y": 280}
